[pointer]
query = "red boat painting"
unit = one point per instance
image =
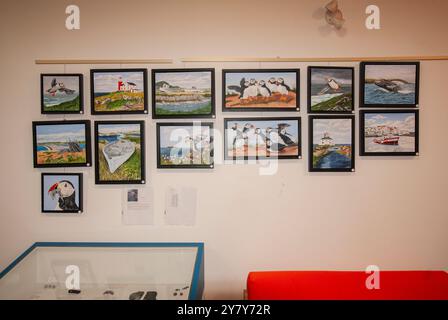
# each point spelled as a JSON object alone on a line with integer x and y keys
{"x": 387, "y": 140}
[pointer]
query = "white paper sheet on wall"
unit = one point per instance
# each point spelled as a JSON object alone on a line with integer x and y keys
{"x": 137, "y": 206}
{"x": 180, "y": 206}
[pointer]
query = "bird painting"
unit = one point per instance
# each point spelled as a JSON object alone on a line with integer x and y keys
{"x": 59, "y": 87}
{"x": 65, "y": 193}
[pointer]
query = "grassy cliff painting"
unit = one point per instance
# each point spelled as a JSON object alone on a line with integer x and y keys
{"x": 61, "y": 93}
{"x": 330, "y": 89}
{"x": 183, "y": 93}
{"x": 185, "y": 145}
{"x": 331, "y": 143}
{"x": 61, "y": 143}
{"x": 261, "y": 89}
{"x": 389, "y": 84}
{"x": 119, "y": 91}
{"x": 119, "y": 147}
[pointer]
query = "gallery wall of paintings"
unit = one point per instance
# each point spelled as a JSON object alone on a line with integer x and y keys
{"x": 388, "y": 121}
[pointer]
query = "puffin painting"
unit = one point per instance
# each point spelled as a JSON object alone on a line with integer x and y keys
{"x": 64, "y": 191}
{"x": 59, "y": 87}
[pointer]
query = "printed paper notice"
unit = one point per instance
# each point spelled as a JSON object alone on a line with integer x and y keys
{"x": 180, "y": 206}
{"x": 138, "y": 206}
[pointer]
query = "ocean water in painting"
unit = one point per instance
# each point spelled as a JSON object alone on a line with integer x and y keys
{"x": 389, "y": 132}
{"x": 332, "y": 144}
{"x": 61, "y": 93}
{"x": 334, "y": 159}
{"x": 185, "y": 145}
{"x": 390, "y": 84}
{"x": 331, "y": 89}
{"x": 59, "y": 144}
{"x": 376, "y": 95}
{"x": 183, "y": 93}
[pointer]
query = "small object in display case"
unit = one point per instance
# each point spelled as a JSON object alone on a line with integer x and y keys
{"x": 106, "y": 271}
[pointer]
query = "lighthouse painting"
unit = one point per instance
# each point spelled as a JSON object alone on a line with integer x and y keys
{"x": 119, "y": 91}
{"x": 331, "y": 143}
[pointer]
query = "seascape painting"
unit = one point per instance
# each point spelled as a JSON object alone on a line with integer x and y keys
{"x": 62, "y": 192}
{"x": 257, "y": 138}
{"x": 331, "y": 143}
{"x": 119, "y": 147}
{"x": 61, "y": 143}
{"x": 119, "y": 91}
{"x": 61, "y": 93}
{"x": 183, "y": 93}
{"x": 330, "y": 90}
{"x": 389, "y": 84}
{"x": 254, "y": 90}
{"x": 389, "y": 132}
{"x": 185, "y": 145}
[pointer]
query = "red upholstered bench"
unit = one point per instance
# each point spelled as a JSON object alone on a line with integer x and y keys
{"x": 346, "y": 285}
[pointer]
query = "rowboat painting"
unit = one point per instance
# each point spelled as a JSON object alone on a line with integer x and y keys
{"x": 119, "y": 151}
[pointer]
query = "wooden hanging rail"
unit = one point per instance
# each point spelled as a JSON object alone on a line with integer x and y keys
{"x": 97, "y": 61}
{"x": 320, "y": 59}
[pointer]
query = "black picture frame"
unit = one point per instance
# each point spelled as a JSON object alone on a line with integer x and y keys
{"x": 362, "y": 82}
{"x": 81, "y": 92}
{"x": 362, "y": 146}
{"x": 144, "y": 72}
{"x": 254, "y": 119}
{"x": 255, "y": 109}
{"x": 154, "y": 73}
{"x": 185, "y": 166}
{"x": 309, "y": 87}
{"x": 142, "y": 179}
{"x": 80, "y": 192}
{"x": 311, "y": 119}
{"x": 87, "y": 135}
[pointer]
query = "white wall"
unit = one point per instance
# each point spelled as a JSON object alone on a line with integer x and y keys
{"x": 391, "y": 212}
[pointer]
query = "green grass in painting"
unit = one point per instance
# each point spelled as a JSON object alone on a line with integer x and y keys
{"x": 339, "y": 103}
{"x": 203, "y": 110}
{"x": 130, "y": 170}
{"x": 72, "y": 105}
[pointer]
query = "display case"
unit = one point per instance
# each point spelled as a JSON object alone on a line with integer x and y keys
{"x": 112, "y": 271}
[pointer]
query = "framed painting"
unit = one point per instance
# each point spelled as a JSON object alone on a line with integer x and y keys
{"x": 119, "y": 91}
{"x": 62, "y": 193}
{"x": 61, "y": 93}
{"x": 389, "y": 84}
{"x": 61, "y": 144}
{"x": 261, "y": 90}
{"x": 119, "y": 152}
{"x": 262, "y": 138}
{"x": 331, "y": 89}
{"x": 389, "y": 133}
{"x": 185, "y": 145}
{"x": 183, "y": 93}
{"x": 331, "y": 143}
